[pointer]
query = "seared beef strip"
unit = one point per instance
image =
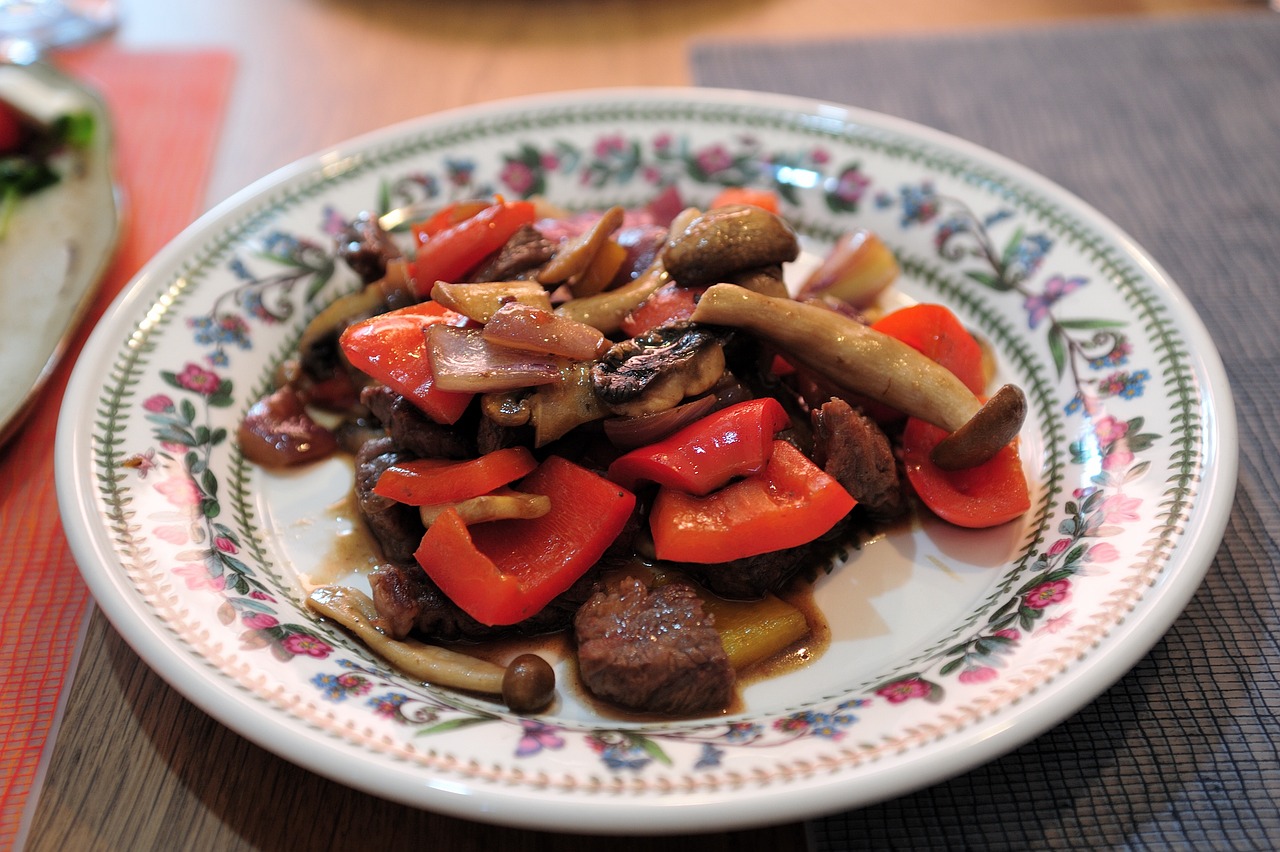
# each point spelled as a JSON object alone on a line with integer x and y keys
{"x": 853, "y": 449}
{"x": 526, "y": 251}
{"x": 397, "y": 527}
{"x": 652, "y": 650}
{"x": 855, "y": 452}
{"x": 750, "y": 578}
{"x": 366, "y": 247}
{"x": 411, "y": 430}
{"x": 407, "y": 599}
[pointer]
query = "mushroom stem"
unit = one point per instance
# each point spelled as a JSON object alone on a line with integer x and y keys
{"x": 355, "y": 611}
{"x": 859, "y": 359}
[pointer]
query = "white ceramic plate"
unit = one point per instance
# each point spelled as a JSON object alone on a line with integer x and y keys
{"x": 948, "y": 647}
{"x": 57, "y": 246}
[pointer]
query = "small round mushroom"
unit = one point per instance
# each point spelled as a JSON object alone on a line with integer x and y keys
{"x": 860, "y": 359}
{"x": 529, "y": 684}
{"x": 658, "y": 370}
{"x": 728, "y": 240}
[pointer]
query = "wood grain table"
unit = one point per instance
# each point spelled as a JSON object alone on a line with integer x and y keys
{"x": 137, "y": 766}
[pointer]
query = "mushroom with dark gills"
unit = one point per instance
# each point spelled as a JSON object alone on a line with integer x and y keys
{"x": 860, "y": 359}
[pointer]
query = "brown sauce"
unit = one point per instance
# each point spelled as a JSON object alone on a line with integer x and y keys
{"x": 356, "y": 552}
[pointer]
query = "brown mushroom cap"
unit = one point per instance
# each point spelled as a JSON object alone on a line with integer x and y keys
{"x": 727, "y": 240}
{"x": 658, "y": 369}
{"x": 990, "y": 429}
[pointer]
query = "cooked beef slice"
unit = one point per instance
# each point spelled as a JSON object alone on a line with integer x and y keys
{"x": 367, "y": 248}
{"x": 396, "y": 527}
{"x": 412, "y": 431}
{"x": 751, "y": 577}
{"x": 852, "y": 448}
{"x": 652, "y": 650}
{"x": 409, "y": 602}
{"x": 526, "y": 251}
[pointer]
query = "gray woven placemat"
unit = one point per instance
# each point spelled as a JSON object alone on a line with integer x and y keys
{"x": 1170, "y": 127}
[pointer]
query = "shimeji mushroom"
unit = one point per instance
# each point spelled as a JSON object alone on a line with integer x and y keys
{"x": 868, "y": 362}
{"x": 526, "y": 685}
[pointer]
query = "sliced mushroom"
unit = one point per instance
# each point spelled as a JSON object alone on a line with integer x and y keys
{"x": 658, "y": 369}
{"x": 605, "y": 311}
{"x": 574, "y": 257}
{"x": 525, "y": 686}
{"x": 479, "y": 301}
{"x": 728, "y": 240}
{"x": 558, "y": 407}
{"x": 508, "y": 408}
{"x": 860, "y": 359}
{"x": 502, "y": 504}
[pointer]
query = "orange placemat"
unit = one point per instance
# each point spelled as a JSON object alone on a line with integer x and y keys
{"x": 166, "y": 109}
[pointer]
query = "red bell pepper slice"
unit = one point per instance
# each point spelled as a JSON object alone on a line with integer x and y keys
{"x": 764, "y": 198}
{"x": 669, "y": 303}
{"x": 450, "y": 254}
{"x": 706, "y": 454}
{"x": 448, "y": 216}
{"x": 938, "y": 333}
{"x": 790, "y": 503}
{"x": 502, "y": 572}
{"x": 990, "y": 494}
{"x": 430, "y": 482}
{"x": 392, "y": 348}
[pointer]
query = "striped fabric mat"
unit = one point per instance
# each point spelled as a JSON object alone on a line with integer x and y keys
{"x": 1171, "y": 128}
{"x": 166, "y": 110}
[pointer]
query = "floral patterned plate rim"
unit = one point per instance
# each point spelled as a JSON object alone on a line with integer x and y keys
{"x": 946, "y": 647}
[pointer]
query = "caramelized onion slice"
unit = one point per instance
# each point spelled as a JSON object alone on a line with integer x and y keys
{"x": 531, "y": 329}
{"x": 278, "y": 432}
{"x": 462, "y": 360}
{"x": 628, "y": 433}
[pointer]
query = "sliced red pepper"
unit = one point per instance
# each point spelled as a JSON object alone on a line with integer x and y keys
{"x": 430, "y": 482}
{"x": 503, "y": 572}
{"x": 448, "y": 216}
{"x": 938, "y": 333}
{"x": 765, "y": 198}
{"x": 706, "y": 454}
{"x": 392, "y": 348}
{"x": 669, "y": 303}
{"x": 790, "y": 503}
{"x": 992, "y": 493}
{"x": 450, "y": 254}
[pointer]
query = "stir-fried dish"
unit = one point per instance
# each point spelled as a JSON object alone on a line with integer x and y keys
{"x": 621, "y": 424}
{"x": 38, "y": 128}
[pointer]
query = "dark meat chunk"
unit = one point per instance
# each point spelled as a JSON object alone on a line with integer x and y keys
{"x": 652, "y": 650}
{"x": 366, "y": 248}
{"x": 526, "y": 251}
{"x": 853, "y": 449}
{"x": 409, "y": 602}
{"x": 411, "y": 430}
{"x": 750, "y": 578}
{"x": 396, "y": 527}
{"x": 492, "y": 436}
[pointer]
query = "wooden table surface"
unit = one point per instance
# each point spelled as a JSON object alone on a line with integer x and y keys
{"x": 137, "y": 766}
